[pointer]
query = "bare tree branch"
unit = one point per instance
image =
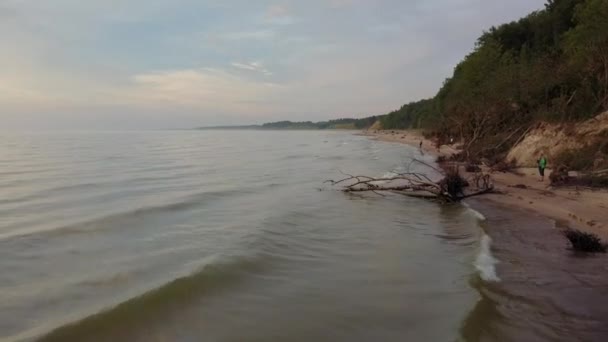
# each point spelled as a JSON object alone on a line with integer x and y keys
{"x": 450, "y": 189}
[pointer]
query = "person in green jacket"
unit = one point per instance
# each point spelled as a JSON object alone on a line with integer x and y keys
{"x": 542, "y": 164}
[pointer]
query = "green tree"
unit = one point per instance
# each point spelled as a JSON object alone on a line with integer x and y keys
{"x": 587, "y": 48}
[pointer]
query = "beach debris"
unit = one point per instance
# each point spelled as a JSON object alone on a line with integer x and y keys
{"x": 482, "y": 180}
{"x": 547, "y": 193}
{"x": 584, "y": 242}
{"x": 562, "y": 177}
{"x": 472, "y": 168}
{"x": 441, "y": 159}
{"x": 559, "y": 176}
{"x": 462, "y": 157}
{"x": 504, "y": 166}
{"x": 453, "y": 183}
{"x": 452, "y": 187}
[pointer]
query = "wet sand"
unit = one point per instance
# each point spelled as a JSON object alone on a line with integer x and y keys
{"x": 546, "y": 292}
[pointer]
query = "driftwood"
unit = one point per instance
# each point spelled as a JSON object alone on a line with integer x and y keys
{"x": 451, "y": 188}
{"x": 585, "y": 242}
{"x": 599, "y": 172}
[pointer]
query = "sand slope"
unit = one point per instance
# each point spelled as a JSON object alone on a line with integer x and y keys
{"x": 553, "y": 139}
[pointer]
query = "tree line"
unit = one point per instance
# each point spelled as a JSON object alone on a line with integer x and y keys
{"x": 346, "y": 123}
{"x": 551, "y": 65}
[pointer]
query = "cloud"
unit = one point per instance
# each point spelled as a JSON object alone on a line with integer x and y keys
{"x": 387, "y": 28}
{"x": 279, "y": 15}
{"x": 205, "y": 89}
{"x": 7, "y": 12}
{"x": 252, "y": 66}
{"x": 249, "y": 35}
{"x": 341, "y": 3}
{"x": 277, "y": 11}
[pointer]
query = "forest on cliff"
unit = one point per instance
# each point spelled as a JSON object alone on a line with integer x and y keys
{"x": 550, "y": 66}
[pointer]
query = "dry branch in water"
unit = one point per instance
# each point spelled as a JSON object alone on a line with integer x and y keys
{"x": 451, "y": 188}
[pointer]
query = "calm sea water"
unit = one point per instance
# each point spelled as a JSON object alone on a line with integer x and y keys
{"x": 224, "y": 236}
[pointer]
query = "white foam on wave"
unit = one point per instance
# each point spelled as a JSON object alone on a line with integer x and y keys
{"x": 389, "y": 175}
{"x": 485, "y": 262}
{"x": 475, "y": 213}
{"x": 386, "y": 175}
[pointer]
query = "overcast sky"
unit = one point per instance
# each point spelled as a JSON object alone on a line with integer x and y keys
{"x": 186, "y": 63}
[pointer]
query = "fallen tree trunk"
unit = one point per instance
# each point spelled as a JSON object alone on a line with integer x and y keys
{"x": 451, "y": 188}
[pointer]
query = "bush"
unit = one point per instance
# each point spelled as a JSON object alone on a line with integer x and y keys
{"x": 575, "y": 159}
{"x": 585, "y": 158}
{"x": 585, "y": 242}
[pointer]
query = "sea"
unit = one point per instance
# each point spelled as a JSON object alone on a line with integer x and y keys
{"x": 206, "y": 235}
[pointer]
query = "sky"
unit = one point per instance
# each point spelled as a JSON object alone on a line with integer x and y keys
{"x": 108, "y": 64}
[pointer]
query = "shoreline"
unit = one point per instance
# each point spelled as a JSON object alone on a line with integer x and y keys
{"x": 545, "y": 291}
{"x": 538, "y": 289}
{"x": 580, "y": 208}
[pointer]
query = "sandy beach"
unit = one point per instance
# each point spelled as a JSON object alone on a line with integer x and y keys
{"x": 579, "y": 208}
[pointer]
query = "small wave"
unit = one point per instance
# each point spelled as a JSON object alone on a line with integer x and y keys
{"x": 332, "y": 157}
{"x": 485, "y": 262}
{"x": 475, "y": 213}
{"x": 478, "y": 215}
{"x": 386, "y": 175}
{"x": 295, "y": 156}
{"x": 389, "y": 175}
{"x": 120, "y": 277}
{"x": 114, "y": 220}
{"x": 214, "y": 276}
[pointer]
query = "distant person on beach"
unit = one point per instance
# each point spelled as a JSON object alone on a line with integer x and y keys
{"x": 420, "y": 144}
{"x": 542, "y": 164}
